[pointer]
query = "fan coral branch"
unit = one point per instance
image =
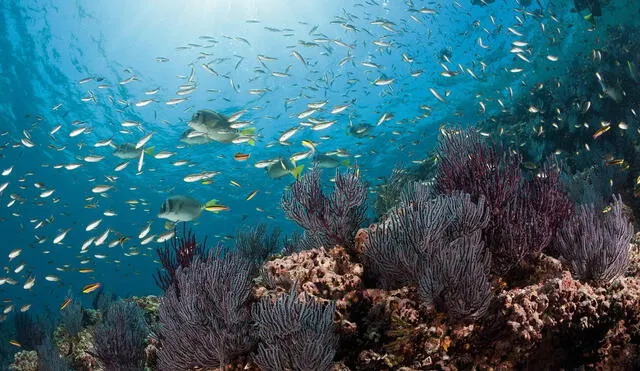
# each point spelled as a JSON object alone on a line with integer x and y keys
{"x": 456, "y": 278}
{"x": 204, "y": 320}
{"x": 336, "y": 216}
{"x": 468, "y": 165}
{"x": 180, "y": 252}
{"x": 120, "y": 337}
{"x": 597, "y": 245}
{"x": 255, "y": 244}
{"x": 295, "y": 335}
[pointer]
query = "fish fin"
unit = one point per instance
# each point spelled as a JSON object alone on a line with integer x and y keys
{"x": 345, "y": 163}
{"x": 251, "y": 142}
{"x": 112, "y": 145}
{"x": 248, "y": 131}
{"x": 297, "y": 171}
{"x": 149, "y": 151}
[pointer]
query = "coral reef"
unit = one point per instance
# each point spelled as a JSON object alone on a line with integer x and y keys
{"x": 25, "y": 360}
{"x": 256, "y": 245}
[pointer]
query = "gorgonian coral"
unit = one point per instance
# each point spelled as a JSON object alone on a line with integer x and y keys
{"x": 120, "y": 338}
{"x": 336, "y": 217}
{"x": 294, "y": 334}
{"x": 596, "y": 245}
{"x": 205, "y": 318}
{"x": 179, "y": 252}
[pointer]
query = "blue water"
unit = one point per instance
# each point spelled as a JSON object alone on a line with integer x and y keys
{"x": 48, "y": 47}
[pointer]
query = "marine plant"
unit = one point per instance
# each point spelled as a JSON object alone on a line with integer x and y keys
{"x": 29, "y": 331}
{"x": 334, "y": 218}
{"x": 528, "y": 223}
{"x": 388, "y": 193}
{"x": 204, "y": 319}
{"x": 416, "y": 229}
{"x": 596, "y": 244}
{"x": 178, "y": 252}
{"x": 71, "y": 318}
{"x": 434, "y": 243}
{"x": 120, "y": 338}
{"x": 255, "y": 244}
{"x": 302, "y": 241}
{"x": 525, "y": 211}
{"x": 49, "y": 358}
{"x": 456, "y": 278}
{"x": 294, "y": 334}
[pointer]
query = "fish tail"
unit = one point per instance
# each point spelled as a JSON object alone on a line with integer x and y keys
{"x": 248, "y": 131}
{"x": 297, "y": 171}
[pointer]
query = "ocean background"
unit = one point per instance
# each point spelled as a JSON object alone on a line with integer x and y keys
{"x": 48, "y": 47}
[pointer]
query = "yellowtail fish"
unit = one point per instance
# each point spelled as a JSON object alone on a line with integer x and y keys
{"x": 241, "y": 156}
{"x": 601, "y": 131}
{"x": 91, "y": 287}
{"x": 216, "y": 208}
{"x": 65, "y": 303}
{"x": 252, "y": 194}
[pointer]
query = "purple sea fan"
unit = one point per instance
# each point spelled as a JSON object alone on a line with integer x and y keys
{"x": 336, "y": 217}
{"x": 294, "y": 334}
{"x": 120, "y": 338}
{"x": 204, "y": 320}
{"x": 596, "y": 245}
{"x": 469, "y": 165}
{"x": 417, "y": 228}
{"x": 455, "y": 279}
{"x": 180, "y": 252}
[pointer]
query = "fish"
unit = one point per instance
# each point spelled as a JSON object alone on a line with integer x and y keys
{"x": 65, "y": 303}
{"x": 324, "y": 161}
{"x": 437, "y": 95}
{"x": 288, "y": 134}
{"x": 241, "y": 156}
{"x": 282, "y": 167}
{"x": 165, "y": 236}
{"x": 61, "y": 236}
{"x": 184, "y": 208}
{"x": 143, "y": 141}
{"x": 52, "y": 278}
{"x": 216, "y": 126}
{"x": 91, "y": 226}
{"x": 91, "y": 287}
{"x": 360, "y": 130}
{"x": 601, "y": 131}
{"x": 194, "y": 137}
{"x": 163, "y": 154}
{"x": 103, "y": 237}
{"x": 145, "y": 231}
{"x": 101, "y": 188}
{"x": 252, "y": 195}
{"x": 29, "y": 283}
{"x": 14, "y": 254}
{"x": 128, "y": 151}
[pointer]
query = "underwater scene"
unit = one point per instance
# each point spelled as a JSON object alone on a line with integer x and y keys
{"x": 319, "y": 185}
